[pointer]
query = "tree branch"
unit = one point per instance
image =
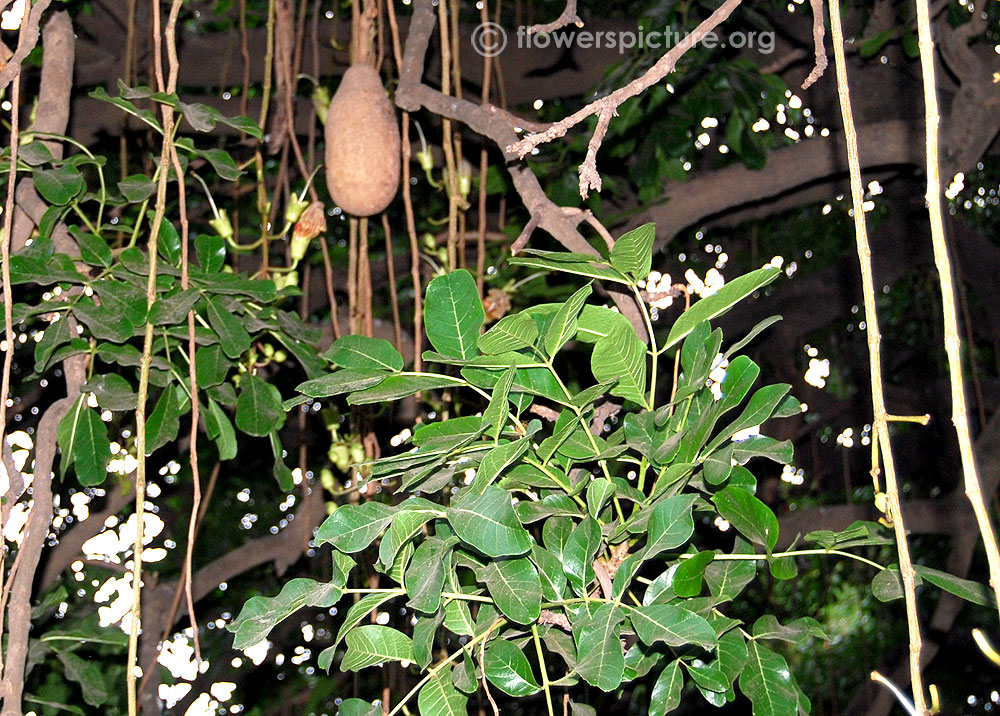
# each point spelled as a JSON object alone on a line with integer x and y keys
{"x": 608, "y": 105}
{"x": 567, "y": 17}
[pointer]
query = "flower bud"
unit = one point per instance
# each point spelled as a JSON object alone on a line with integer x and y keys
{"x": 295, "y": 208}
{"x": 310, "y": 224}
{"x": 223, "y": 227}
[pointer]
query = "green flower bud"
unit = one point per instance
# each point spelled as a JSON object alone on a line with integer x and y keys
{"x": 223, "y": 227}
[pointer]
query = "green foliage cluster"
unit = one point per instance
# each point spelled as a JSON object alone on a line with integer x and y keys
{"x": 558, "y": 554}
{"x": 100, "y": 307}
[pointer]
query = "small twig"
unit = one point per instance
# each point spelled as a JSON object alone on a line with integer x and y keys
{"x": 663, "y": 67}
{"x": 482, "y": 663}
{"x": 603, "y": 578}
{"x": 525, "y": 235}
{"x": 568, "y": 17}
{"x": 547, "y": 616}
{"x": 590, "y": 178}
{"x": 921, "y": 419}
{"x": 544, "y": 412}
{"x": 818, "y": 31}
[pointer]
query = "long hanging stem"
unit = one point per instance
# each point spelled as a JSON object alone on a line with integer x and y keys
{"x": 880, "y": 421}
{"x": 147, "y": 346}
{"x": 411, "y": 228}
{"x": 952, "y": 342}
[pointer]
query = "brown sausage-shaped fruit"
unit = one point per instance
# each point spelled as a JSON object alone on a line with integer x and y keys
{"x": 362, "y": 144}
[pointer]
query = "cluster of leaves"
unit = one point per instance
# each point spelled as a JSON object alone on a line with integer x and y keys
{"x": 99, "y": 305}
{"x": 559, "y": 544}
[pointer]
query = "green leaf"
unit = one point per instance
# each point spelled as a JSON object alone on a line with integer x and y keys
{"x": 426, "y": 574}
{"x": 633, "y": 252}
{"x": 670, "y": 524}
{"x": 169, "y": 245}
{"x": 102, "y": 322}
{"x": 373, "y": 644}
{"x": 515, "y": 588}
{"x": 236, "y": 285}
{"x": 727, "y": 578}
{"x": 666, "y": 694}
{"x": 211, "y": 252}
{"x": 232, "y": 335}
{"x": 351, "y": 528}
{"x": 59, "y": 186}
{"x": 137, "y": 188}
{"x": 887, "y": 585}
{"x": 87, "y": 674}
{"x": 411, "y": 515}
{"x": 495, "y": 415}
{"x": 965, "y": 589}
{"x": 781, "y": 452}
{"x": 261, "y": 614}
{"x": 596, "y": 322}
{"x": 511, "y": 333}
{"x": 340, "y": 382}
{"x": 453, "y": 314}
{"x": 857, "y": 534}
{"x": 93, "y": 249}
{"x": 284, "y": 477}
{"x": 750, "y": 516}
{"x": 732, "y": 655}
{"x": 458, "y": 618}
{"x": 173, "y": 309}
{"x": 258, "y": 407}
{"x": 757, "y": 329}
{"x": 689, "y": 573}
{"x": 496, "y": 461}
{"x": 563, "y": 262}
{"x": 550, "y": 573}
{"x": 768, "y": 627}
{"x": 210, "y": 367}
{"x": 578, "y": 557}
{"x": 448, "y": 431}
{"x": 123, "y": 300}
{"x": 113, "y": 392}
{"x": 358, "y": 611}
{"x": 83, "y": 439}
{"x": 563, "y": 325}
{"x": 672, "y": 625}
{"x": 719, "y": 303}
{"x": 34, "y": 154}
{"x": 507, "y": 668}
{"x": 621, "y": 356}
{"x": 54, "y": 336}
{"x": 740, "y": 376}
{"x": 365, "y": 354}
{"x": 356, "y": 707}
{"x": 164, "y": 422}
{"x": 761, "y": 407}
{"x": 601, "y": 661}
{"x": 439, "y": 697}
{"x": 599, "y": 491}
{"x": 226, "y": 435}
{"x": 767, "y": 682}
{"x": 488, "y": 523}
{"x": 396, "y": 387}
